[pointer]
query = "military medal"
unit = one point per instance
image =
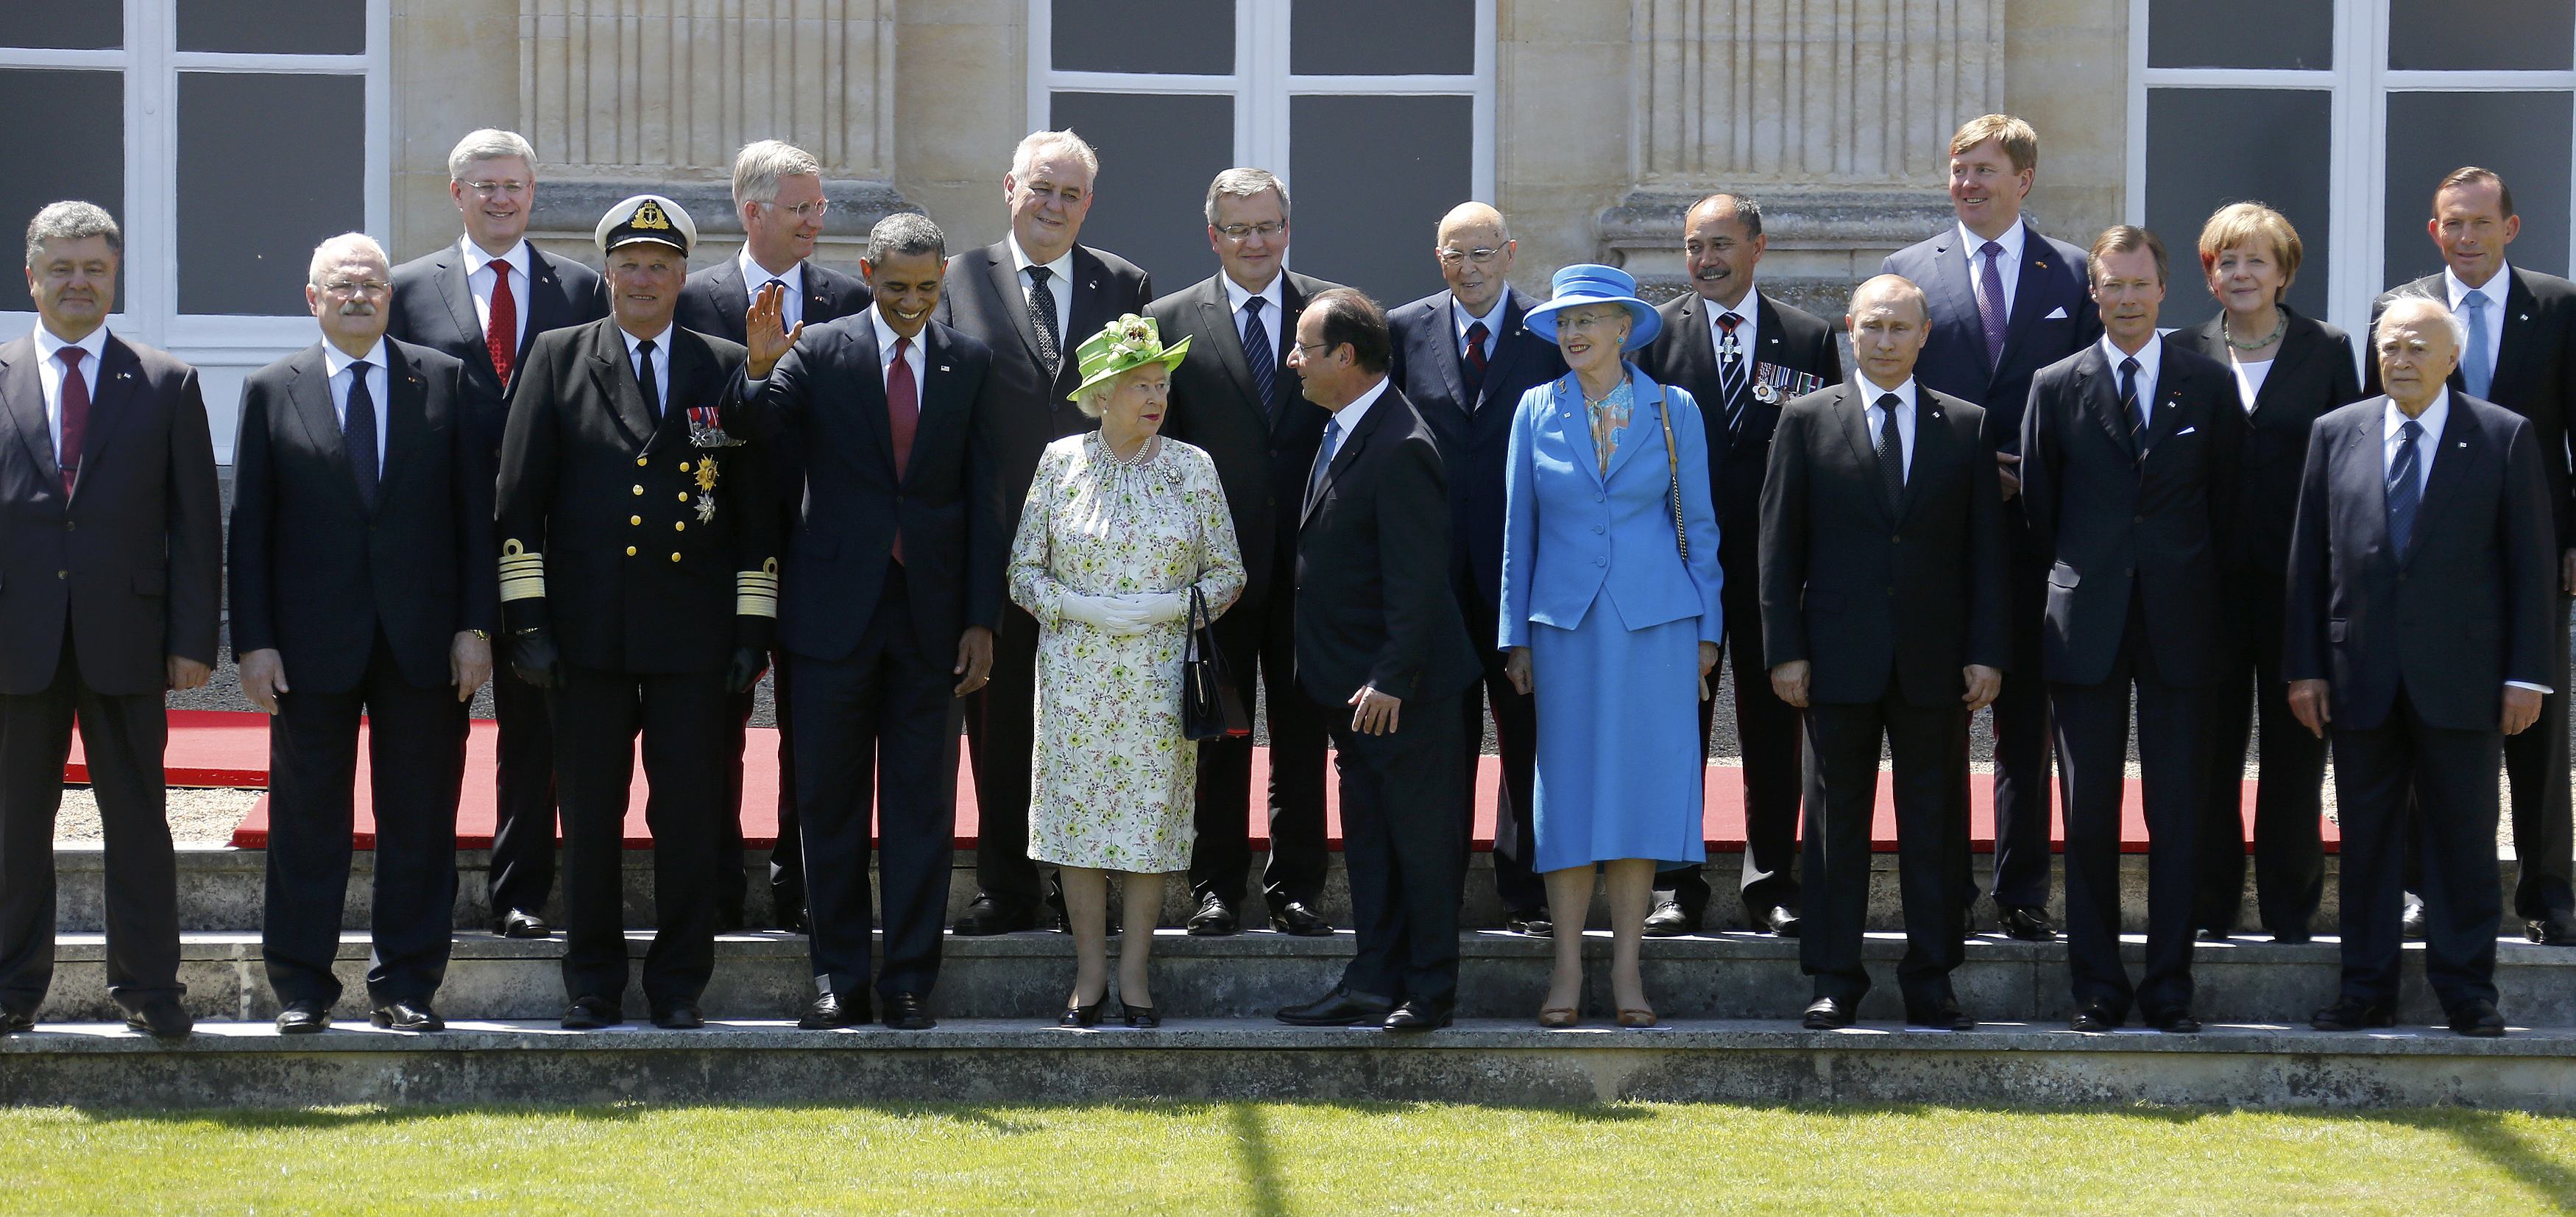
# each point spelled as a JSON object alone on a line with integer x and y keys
{"x": 706, "y": 428}
{"x": 1773, "y": 384}
{"x": 707, "y": 484}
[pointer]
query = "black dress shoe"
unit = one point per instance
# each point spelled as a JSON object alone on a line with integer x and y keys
{"x": 163, "y": 1018}
{"x": 14, "y": 1021}
{"x": 520, "y": 923}
{"x": 729, "y": 919}
{"x": 407, "y": 1015}
{"x": 909, "y": 1012}
{"x": 2211, "y": 934}
{"x": 683, "y": 1017}
{"x": 303, "y": 1018}
{"x": 2096, "y": 1018}
{"x": 2555, "y": 931}
{"x": 1672, "y": 919}
{"x": 988, "y": 916}
{"x": 1826, "y": 1014}
{"x": 1781, "y": 920}
{"x": 1420, "y": 1016}
{"x": 2026, "y": 924}
{"x": 1944, "y": 1015}
{"x": 2173, "y": 1022}
{"x": 1535, "y": 923}
{"x": 831, "y": 1011}
{"x": 791, "y": 918}
{"x": 1215, "y": 919}
{"x": 2291, "y": 938}
{"x": 1143, "y": 1018}
{"x": 1339, "y": 1008}
{"x": 2352, "y": 1014}
{"x": 1079, "y": 1015}
{"x": 2410, "y": 920}
{"x": 1293, "y": 917}
{"x": 2478, "y": 1019}
{"x": 591, "y": 1014}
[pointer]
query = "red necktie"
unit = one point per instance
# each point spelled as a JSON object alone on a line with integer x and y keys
{"x": 502, "y": 339}
{"x": 1476, "y": 335}
{"x": 903, "y": 417}
{"x": 75, "y": 415}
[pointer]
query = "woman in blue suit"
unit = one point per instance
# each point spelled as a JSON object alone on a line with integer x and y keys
{"x": 1610, "y": 614}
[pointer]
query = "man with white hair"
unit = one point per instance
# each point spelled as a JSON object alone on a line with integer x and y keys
{"x": 484, "y": 301}
{"x": 362, "y": 585}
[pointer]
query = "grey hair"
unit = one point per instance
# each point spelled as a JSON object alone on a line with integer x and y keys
{"x": 757, "y": 168}
{"x": 488, "y": 144}
{"x": 1746, "y": 211}
{"x": 903, "y": 234}
{"x": 331, "y": 253}
{"x": 72, "y": 220}
{"x": 1243, "y": 182}
{"x": 2441, "y": 308}
{"x": 1096, "y": 402}
{"x": 1039, "y": 143}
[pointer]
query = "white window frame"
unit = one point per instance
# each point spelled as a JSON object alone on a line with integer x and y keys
{"x": 2359, "y": 85}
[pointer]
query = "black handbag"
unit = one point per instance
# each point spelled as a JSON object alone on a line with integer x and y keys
{"x": 1210, "y": 708}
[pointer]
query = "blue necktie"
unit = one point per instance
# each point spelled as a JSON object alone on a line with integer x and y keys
{"x": 2405, "y": 492}
{"x": 1323, "y": 460}
{"x": 358, "y": 433}
{"x": 2129, "y": 407}
{"x": 1258, "y": 351}
{"x": 2475, "y": 371}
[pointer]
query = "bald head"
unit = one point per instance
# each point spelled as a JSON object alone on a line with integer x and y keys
{"x": 1481, "y": 216}
{"x": 1475, "y": 250}
{"x": 1894, "y": 290}
{"x": 1722, "y": 242}
{"x": 1889, "y": 325}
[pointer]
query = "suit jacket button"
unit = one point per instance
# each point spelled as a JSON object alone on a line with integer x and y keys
{"x": 679, "y": 526}
{"x": 630, "y": 551}
{"x": 684, "y": 496}
{"x": 639, "y": 490}
{"x": 675, "y": 557}
{"x": 639, "y": 462}
{"x": 634, "y": 520}
{"x": 62, "y": 574}
{"x": 1601, "y": 561}
{"x": 71, "y": 526}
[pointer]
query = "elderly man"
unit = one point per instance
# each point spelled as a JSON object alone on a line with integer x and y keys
{"x": 113, "y": 557}
{"x": 1235, "y": 398}
{"x": 778, "y": 196}
{"x": 1744, "y": 355}
{"x": 1028, "y": 296}
{"x": 2423, "y": 593}
{"x": 639, "y": 585}
{"x": 483, "y": 301}
{"x": 357, "y": 592}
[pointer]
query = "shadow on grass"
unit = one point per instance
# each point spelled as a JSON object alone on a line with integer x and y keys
{"x": 1260, "y": 1174}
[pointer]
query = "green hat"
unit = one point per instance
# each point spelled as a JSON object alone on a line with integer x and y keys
{"x": 1121, "y": 347}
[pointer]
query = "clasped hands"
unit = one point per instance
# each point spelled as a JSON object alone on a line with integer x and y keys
{"x": 1127, "y": 613}
{"x": 2312, "y": 703}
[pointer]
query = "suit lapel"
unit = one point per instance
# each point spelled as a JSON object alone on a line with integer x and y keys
{"x": 2514, "y": 344}
{"x": 871, "y": 402}
{"x": 614, "y": 375}
{"x": 406, "y": 419}
{"x": 24, "y": 392}
{"x": 2166, "y": 419}
{"x": 1087, "y": 315}
{"x": 109, "y": 398}
{"x": 309, "y": 393}
{"x": 2457, "y": 447}
{"x": 2036, "y": 257}
{"x": 1346, "y": 454}
{"x": 732, "y": 294}
{"x": 1952, "y": 295}
{"x": 1645, "y": 418}
{"x": 692, "y": 374}
{"x": 2101, "y": 393}
{"x": 459, "y": 298}
{"x": 1853, "y": 412}
{"x": 1217, "y": 322}
{"x": 1932, "y": 440}
{"x": 548, "y": 306}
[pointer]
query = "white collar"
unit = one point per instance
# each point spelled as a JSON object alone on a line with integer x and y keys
{"x": 754, "y": 275}
{"x": 476, "y": 259}
{"x": 1235, "y": 295}
{"x": 2151, "y": 357}
{"x": 2012, "y": 241}
{"x": 1061, "y": 268}
{"x": 1348, "y": 417}
{"x": 1870, "y": 392}
{"x": 95, "y": 343}
{"x": 661, "y": 341}
{"x": 1749, "y": 308}
{"x": 336, "y": 361}
{"x": 1491, "y": 319}
{"x": 886, "y": 337}
{"x": 2495, "y": 288}
{"x": 2391, "y": 419}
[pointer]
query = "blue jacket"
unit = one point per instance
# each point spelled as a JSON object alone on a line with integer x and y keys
{"x": 1571, "y": 539}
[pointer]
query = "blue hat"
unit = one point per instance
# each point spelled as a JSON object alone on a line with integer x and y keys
{"x": 1592, "y": 283}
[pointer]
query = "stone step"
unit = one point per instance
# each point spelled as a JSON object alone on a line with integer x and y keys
{"x": 1481, "y": 1061}
{"x": 1025, "y": 977}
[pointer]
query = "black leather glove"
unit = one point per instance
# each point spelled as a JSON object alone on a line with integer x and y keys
{"x": 745, "y": 670}
{"x": 534, "y": 657}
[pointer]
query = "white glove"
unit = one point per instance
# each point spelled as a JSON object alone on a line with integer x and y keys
{"x": 1157, "y": 608}
{"x": 1112, "y": 615}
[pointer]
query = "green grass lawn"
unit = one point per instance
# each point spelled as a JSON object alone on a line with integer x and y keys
{"x": 1281, "y": 1158}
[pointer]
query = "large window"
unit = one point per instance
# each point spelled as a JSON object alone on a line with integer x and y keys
{"x": 2343, "y": 115}
{"x": 1378, "y": 116}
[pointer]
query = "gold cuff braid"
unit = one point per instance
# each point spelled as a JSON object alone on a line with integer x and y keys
{"x": 523, "y": 574}
{"x": 755, "y": 592}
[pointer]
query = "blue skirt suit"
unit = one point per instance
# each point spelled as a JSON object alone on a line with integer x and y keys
{"x": 1594, "y": 583}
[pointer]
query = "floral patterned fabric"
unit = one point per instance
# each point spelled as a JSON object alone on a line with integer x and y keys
{"x": 1114, "y": 781}
{"x": 1609, "y": 419}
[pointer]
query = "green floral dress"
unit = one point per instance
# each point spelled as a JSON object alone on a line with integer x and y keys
{"x": 1114, "y": 781}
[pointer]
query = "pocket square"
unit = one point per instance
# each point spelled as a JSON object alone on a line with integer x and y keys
{"x": 2056, "y": 314}
{"x": 2185, "y": 431}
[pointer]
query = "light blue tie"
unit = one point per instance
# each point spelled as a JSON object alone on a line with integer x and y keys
{"x": 2475, "y": 370}
{"x": 2405, "y": 492}
{"x": 1323, "y": 460}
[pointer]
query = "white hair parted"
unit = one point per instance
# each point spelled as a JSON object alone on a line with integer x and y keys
{"x": 334, "y": 252}
{"x": 1243, "y": 182}
{"x": 757, "y": 168}
{"x": 71, "y": 220}
{"x": 1095, "y": 401}
{"x": 488, "y": 144}
{"x": 2417, "y": 300}
{"x": 1038, "y": 144}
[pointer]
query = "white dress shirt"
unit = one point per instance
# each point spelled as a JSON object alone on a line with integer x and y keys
{"x": 1059, "y": 285}
{"x": 49, "y": 374}
{"x": 912, "y": 356}
{"x": 2008, "y": 265}
{"x": 1347, "y": 419}
{"x": 2428, "y": 445}
{"x": 1750, "y": 309}
{"x": 478, "y": 282}
{"x": 791, "y": 309}
{"x": 1460, "y": 319}
{"x": 1271, "y": 307}
{"x": 2151, "y": 361}
{"x": 2495, "y": 289}
{"x": 338, "y": 364}
{"x": 2250, "y": 374}
{"x": 661, "y": 362}
{"x": 1905, "y": 414}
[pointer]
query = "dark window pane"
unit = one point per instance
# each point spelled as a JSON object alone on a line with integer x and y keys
{"x": 1191, "y": 36}
{"x": 249, "y": 218}
{"x": 2524, "y": 137}
{"x": 276, "y": 27}
{"x": 77, "y": 152}
{"x": 1157, "y": 155}
{"x": 2207, "y": 148}
{"x": 2218, "y": 34}
{"x": 2440, "y": 35}
{"x": 1373, "y": 176}
{"x": 1376, "y": 38}
{"x": 87, "y": 26}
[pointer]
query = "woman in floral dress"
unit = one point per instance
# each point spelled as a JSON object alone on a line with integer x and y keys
{"x": 1120, "y": 524}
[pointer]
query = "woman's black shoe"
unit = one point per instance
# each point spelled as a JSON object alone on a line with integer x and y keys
{"x": 1078, "y": 1015}
{"x": 1139, "y": 1016}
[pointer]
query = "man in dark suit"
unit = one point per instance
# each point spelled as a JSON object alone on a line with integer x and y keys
{"x": 1378, "y": 629}
{"x": 362, "y": 584}
{"x": 2129, "y": 455}
{"x": 1744, "y": 355}
{"x": 778, "y": 197}
{"x": 483, "y": 302}
{"x": 2423, "y": 586}
{"x": 1233, "y": 397}
{"x": 1032, "y": 296}
{"x": 2520, "y": 353}
{"x": 890, "y": 591}
{"x": 1882, "y": 572}
{"x": 639, "y": 585}
{"x": 2006, "y": 302}
{"x": 1463, "y": 358}
{"x": 112, "y": 565}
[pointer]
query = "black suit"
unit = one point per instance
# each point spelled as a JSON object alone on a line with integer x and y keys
{"x": 2312, "y": 373}
{"x": 97, "y": 591}
{"x": 2418, "y": 646}
{"x": 875, "y": 636}
{"x": 981, "y": 298}
{"x": 362, "y": 598}
{"x": 2535, "y": 377}
{"x": 652, "y": 579}
{"x": 2132, "y": 526}
{"x": 1376, "y": 608}
{"x": 1262, "y": 451}
{"x": 1886, "y": 602}
{"x": 434, "y": 307}
{"x": 1739, "y": 450}
{"x": 716, "y": 301}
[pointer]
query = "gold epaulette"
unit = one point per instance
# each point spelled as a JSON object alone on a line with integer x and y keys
{"x": 755, "y": 592}
{"x": 523, "y": 574}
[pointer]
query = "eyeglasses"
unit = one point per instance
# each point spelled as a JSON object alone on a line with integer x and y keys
{"x": 1314, "y": 350}
{"x": 1240, "y": 232}
{"x": 1481, "y": 257}
{"x": 346, "y": 288}
{"x": 814, "y": 210}
{"x": 488, "y": 188}
{"x": 1585, "y": 323}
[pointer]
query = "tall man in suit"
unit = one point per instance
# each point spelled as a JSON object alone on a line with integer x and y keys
{"x": 1745, "y": 355}
{"x": 2423, "y": 592}
{"x": 1883, "y": 557}
{"x": 778, "y": 197}
{"x": 890, "y": 592}
{"x": 639, "y": 585}
{"x": 1463, "y": 358}
{"x": 483, "y": 301}
{"x": 2129, "y": 456}
{"x": 1378, "y": 629}
{"x": 1233, "y": 397}
{"x": 111, "y": 573}
{"x": 2006, "y": 301}
{"x": 1032, "y": 297}
{"x": 362, "y": 584}
{"x": 2519, "y": 353}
